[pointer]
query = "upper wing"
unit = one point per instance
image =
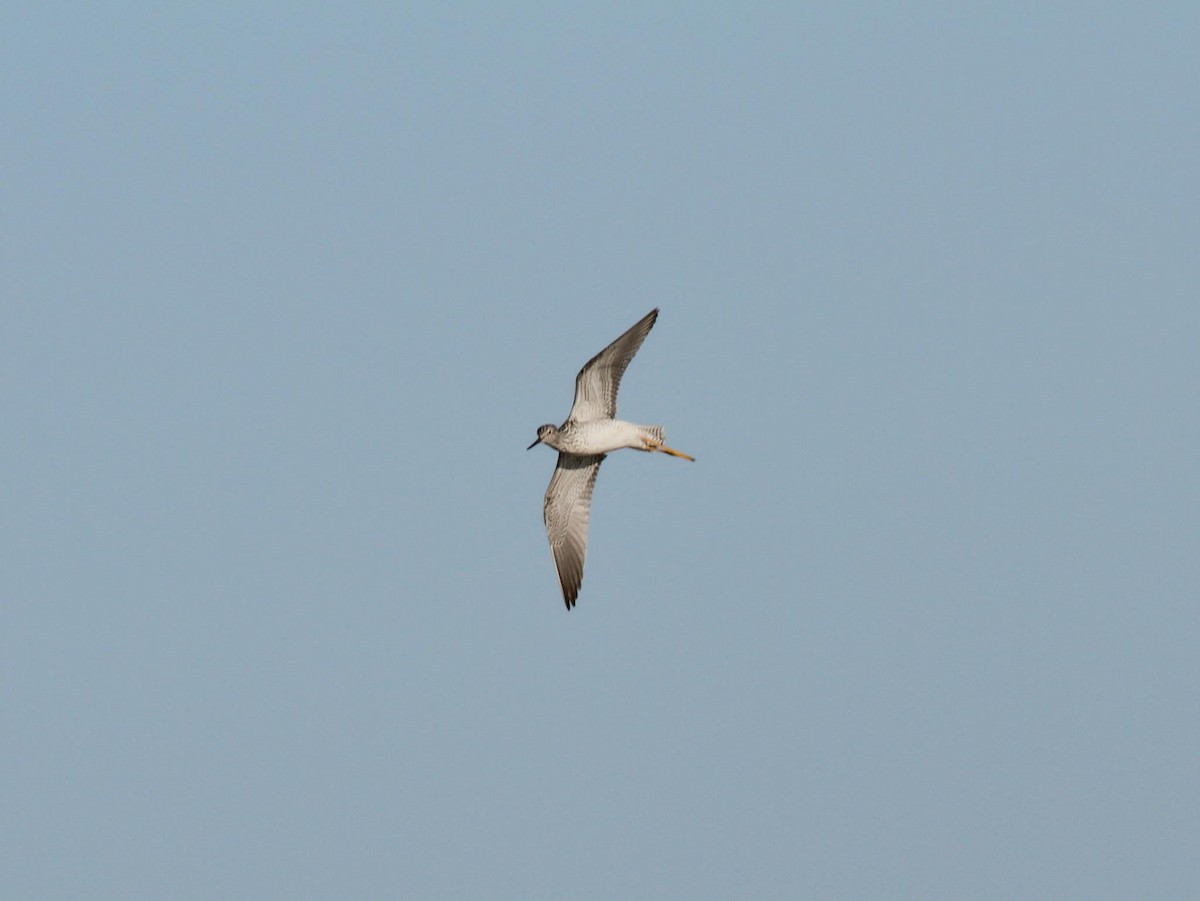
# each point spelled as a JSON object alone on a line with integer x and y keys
{"x": 597, "y": 383}
{"x": 568, "y": 503}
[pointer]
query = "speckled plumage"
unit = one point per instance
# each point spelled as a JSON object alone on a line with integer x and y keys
{"x": 589, "y": 433}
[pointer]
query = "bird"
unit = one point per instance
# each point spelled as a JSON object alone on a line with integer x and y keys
{"x": 589, "y": 434}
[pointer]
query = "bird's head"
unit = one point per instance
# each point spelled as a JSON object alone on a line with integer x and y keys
{"x": 543, "y": 432}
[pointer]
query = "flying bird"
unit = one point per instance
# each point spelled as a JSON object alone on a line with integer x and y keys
{"x": 589, "y": 434}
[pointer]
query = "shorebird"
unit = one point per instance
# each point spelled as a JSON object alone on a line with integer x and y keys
{"x": 589, "y": 434}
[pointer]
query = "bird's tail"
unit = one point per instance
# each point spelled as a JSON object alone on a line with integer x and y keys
{"x": 651, "y": 435}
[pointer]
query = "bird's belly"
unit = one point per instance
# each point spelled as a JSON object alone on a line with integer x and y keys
{"x": 600, "y": 437}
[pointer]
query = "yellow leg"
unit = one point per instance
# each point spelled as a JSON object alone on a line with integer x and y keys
{"x": 649, "y": 444}
{"x": 675, "y": 453}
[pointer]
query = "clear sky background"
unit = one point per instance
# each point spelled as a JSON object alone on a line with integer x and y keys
{"x": 286, "y": 291}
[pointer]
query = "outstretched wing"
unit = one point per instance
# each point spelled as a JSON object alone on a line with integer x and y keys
{"x": 597, "y": 383}
{"x": 568, "y": 503}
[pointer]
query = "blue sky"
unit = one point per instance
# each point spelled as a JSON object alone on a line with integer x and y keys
{"x": 286, "y": 292}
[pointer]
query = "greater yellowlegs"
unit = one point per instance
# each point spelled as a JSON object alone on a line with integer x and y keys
{"x": 582, "y": 442}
